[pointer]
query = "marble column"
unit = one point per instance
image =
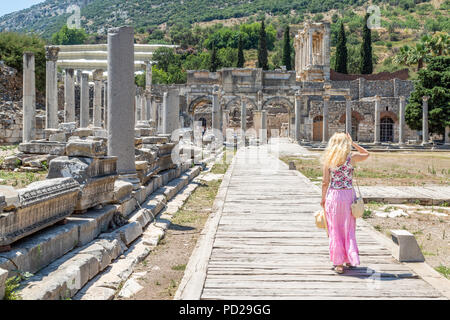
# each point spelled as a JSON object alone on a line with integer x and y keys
{"x": 348, "y": 114}
{"x": 215, "y": 110}
{"x": 165, "y": 113}
{"x": 105, "y": 104}
{"x": 97, "y": 112}
{"x": 264, "y": 126}
{"x": 84, "y": 100}
{"x": 376, "y": 138}
{"x": 137, "y": 104}
{"x": 401, "y": 125}
{"x": 326, "y": 101}
{"x": 29, "y": 97}
{"x": 243, "y": 116}
{"x": 69, "y": 96}
{"x": 143, "y": 107}
{"x": 298, "y": 114}
{"x": 121, "y": 92}
{"x": 310, "y": 47}
{"x": 425, "y": 134}
{"x": 51, "y": 87}
{"x": 148, "y": 76}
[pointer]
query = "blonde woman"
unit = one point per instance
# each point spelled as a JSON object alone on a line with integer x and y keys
{"x": 337, "y": 197}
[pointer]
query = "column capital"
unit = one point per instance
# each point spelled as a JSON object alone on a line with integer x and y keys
{"x": 326, "y": 97}
{"x": 402, "y": 98}
{"x": 425, "y": 98}
{"x": 298, "y": 94}
{"x": 348, "y": 97}
{"x": 51, "y": 53}
{"x": 377, "y": 98}
{"x": 97, "y": 75}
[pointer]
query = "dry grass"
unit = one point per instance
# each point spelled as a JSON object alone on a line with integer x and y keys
{"x": 393, "y": 168}
{"x": 20, "y": 179}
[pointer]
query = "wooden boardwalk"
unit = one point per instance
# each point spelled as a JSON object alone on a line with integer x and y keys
{"x": 263, "y": 244}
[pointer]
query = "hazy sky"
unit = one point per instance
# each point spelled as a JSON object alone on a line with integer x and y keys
{"x": 8, "y": 6}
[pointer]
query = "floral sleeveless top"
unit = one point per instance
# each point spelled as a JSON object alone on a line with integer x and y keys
{"x": 342, "y": 177}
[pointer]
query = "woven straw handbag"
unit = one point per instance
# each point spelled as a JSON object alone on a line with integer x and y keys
{"x": 321, "y": 220}
{"x": 358, "y": 204}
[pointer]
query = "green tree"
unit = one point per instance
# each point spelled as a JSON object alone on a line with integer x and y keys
{"x": 341, "y": 51}
{"x": 287, "y": 50}
{"x": 262, "y": 49}
{"x": 12, "y": 47}
{"x": 241, "y": 59}
{"x": 164, "y": 57}
{"x": 433, "y": 81}
{"x": 214, "y": 62}
{"x": 66, "y": 36}
{"x": 366, "y": 66}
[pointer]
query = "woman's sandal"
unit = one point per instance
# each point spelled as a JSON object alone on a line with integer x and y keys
{"x": 348, "y": 265}
{"x": 339, "y": 269}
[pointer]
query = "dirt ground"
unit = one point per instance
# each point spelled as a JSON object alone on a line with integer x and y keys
{"x": 430, "y": 226}
{"x": 164, "y": 267}
{"x": 399, "y": 168}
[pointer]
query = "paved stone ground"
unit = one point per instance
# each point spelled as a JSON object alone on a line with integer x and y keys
{"x": 263, "y": 244}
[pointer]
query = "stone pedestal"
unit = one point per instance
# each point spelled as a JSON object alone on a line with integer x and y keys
{"x": 376, "y": 138}
{"x": 69, "y": 96}
{"x": 51, "y": 87}
{"x": 97, "y": 112}
{"x": 121, "y": 93}
{"x": 84, "y": 101}
{"x": 29, "y": 97}
{"x": 425, "y": 133}
{"x": 401, "y": 132}
{"x": 326, "y": 101}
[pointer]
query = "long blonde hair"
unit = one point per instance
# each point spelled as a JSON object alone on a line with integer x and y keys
{"x": 337, "y": 150}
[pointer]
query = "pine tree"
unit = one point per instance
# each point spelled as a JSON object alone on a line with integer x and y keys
{"x": 214, "y": 62}
{"x": 262, "y": 48}
{"x": 341, "y": 51}
{"x": 287, "y": 50}
{"x": 241, "y": 59}
{"x": 366, "y": 66}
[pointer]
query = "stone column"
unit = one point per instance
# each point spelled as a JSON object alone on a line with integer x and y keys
{"x": 425, "y": 134}
{"x": 264, "y": 126}
{"x": 326, "y": 101}
{"x": 69, "y": 96}
{"x": 215, "y": 110}
{"x": 121, "y": 92}
{"x": 298, "y": 113}
{"x": 148, "y": 76}
{"x": 84, "y": 100}
{"x": 401, "y": 125}
{"x": 165, "y": 113}
{"x": 326, "y": 50}
{"x": 310, "y": 46}
{"x": 51, "y": 97}
{"x": 376, "y": 137}
{"x": 137, "y": 104}
{"x": 29, "y": 97}
{"x": 105, "y": 105}
{"x": 97, "y": 112}
{"x": 348, "y": 115}
{"x": 243, "y": 116}
{"x": 143, "y": 107}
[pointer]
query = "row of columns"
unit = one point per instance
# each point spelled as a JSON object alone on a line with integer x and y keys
{"x": 348, "y": 119}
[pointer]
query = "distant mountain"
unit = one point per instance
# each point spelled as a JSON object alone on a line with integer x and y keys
{"x": 98, "y": 15}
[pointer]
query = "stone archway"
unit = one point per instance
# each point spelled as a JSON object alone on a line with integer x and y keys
{"x": 280, "y": 111}
{"x": 200, "y": 108}
{"x": 233, "y": 108}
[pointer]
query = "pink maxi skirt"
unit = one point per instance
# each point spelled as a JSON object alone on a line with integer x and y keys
{"x": 341, "y": 226}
